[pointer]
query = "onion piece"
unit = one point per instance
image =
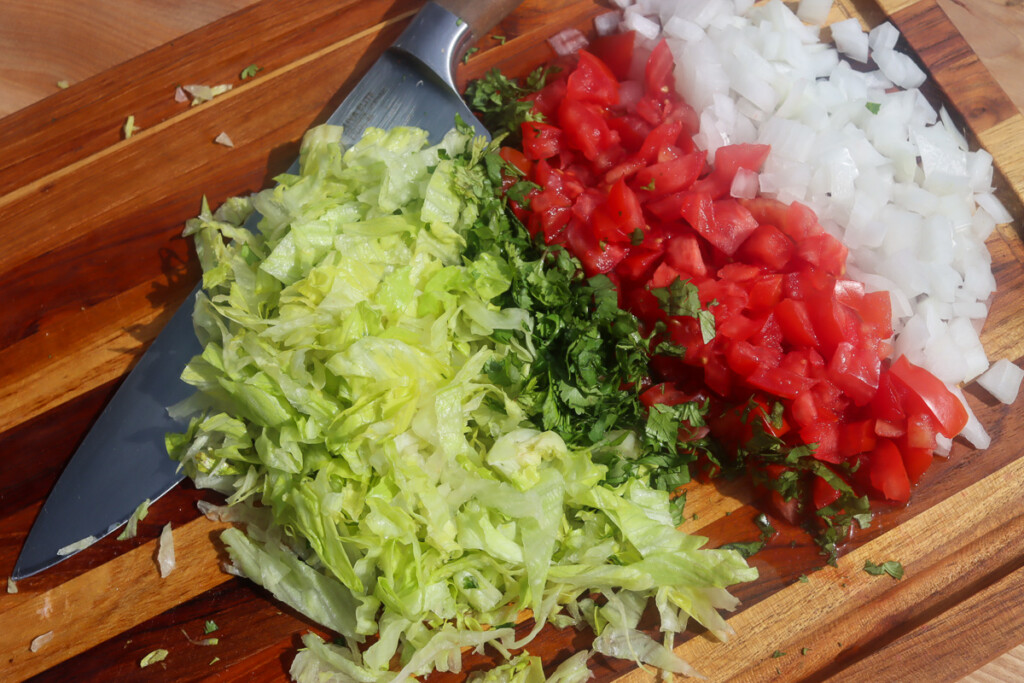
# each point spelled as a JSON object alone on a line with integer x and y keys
{"x": 568, "y": 41}
{"x": 1002, "y": 380}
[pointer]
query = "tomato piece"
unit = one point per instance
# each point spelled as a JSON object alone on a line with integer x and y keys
{"x": 825, "y": 252}
{"x": 547, "y": 99}
{"x": 592, "y": 81}
{"x": 886, "y": 472}
{"x": 595, "y": 257}
{"x": 672, "y": 175}
{"x": 665, "y": 393}
{"x": 728, "y": 160}
{"x": 724, "y": 223}
{"x": 795, "y": 323}
{"x": 682, "y": 252}
{"x": 513, "y": 156}
{"x": 639, "y": 264}
{"x": 916, "y": 461}
{"x": 625, "y": 207}
{"x": 585, "y": 128}
{"x": 768, "y": 246}
{"x": 822, "y": 493}
{"x": 658, "y": 70}
{"x": 927, "y": 389}
{"x": 632, "y": 130}
{"x": 616, "y": 51}
{"x": 554, "y": 210}
{"x": 826, "y": 436}
{"x": 855, "y": 370}
{"x": 765, "y": 293}
{"x": 778, "y": 382}
{"x": 661, "y": 136}
{"x": 856, "y": 438}
{"x": 541, "y": 140}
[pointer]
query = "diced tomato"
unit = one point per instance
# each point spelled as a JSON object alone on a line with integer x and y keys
{"x": 856, "y": 371}
{"x": 768, "y": 246}
{"x": 728, "y": 160}
{"x": 659, "y": 68}
{"x": 615, "y": 50}
{"x": 592, "y": 81}
{"x": 826, "y": 436}
{"x": 585, "y": 128}
{"x": 625, "y": 207}
{"x": 595, "y": 257}
{"x": 886, "y": 472}
{"x": 672, "y": 175}
{"x": 856, "y": 438}
{"x": 516, "y": 158}
{"x": 682, "y": 252}
{"x": 795, "y": 323}
{"x": 823, "y": 494}
{"x": 916, "y": 461}
{"x": 949, "y": 413}
{"x": 541, "y": 140}
{"x": 723, "y": 223}
{"x": 665, "y": 393}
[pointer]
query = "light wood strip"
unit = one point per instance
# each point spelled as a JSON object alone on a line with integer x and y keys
{"x": 837, "y": 608}
{"x": 1004, "y": 142}
{"x": 22, "y": 246}
{"x": 108, "y": 600}
{"x": 957, "y": 640}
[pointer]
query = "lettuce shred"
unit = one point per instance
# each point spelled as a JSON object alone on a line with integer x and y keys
{"x": 389, "y": 489}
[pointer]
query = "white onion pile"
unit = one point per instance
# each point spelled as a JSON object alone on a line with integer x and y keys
{"x": 886, "y": 173}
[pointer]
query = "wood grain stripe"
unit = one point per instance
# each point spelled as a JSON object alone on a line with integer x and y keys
{"x": 962, "y": 639}
{"x": 953, "y": 64}
{"x": 989, "y": 524}
{"x": 108, "y": 600}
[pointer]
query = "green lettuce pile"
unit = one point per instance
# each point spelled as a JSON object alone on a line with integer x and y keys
{"x": 377, "y": 413}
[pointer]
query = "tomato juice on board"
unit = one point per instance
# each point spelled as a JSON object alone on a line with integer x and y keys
{"x": 746, "y": 299}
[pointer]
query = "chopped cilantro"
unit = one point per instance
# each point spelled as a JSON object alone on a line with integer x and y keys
{"x": 680, "y": 298}
{"x": 649, "y": 186}
{"x": 892, "y": 568}
{"x": 501, "y": 39}
{"x": 751, "y": 547}
{"x": 249, "y": 71}
{"x": 210, "y": 626}
{"x": 803, "y": 578}
{"x": 873, "y": 107}
{"x": 469, "y": 53}
{"x": 777, "y": 654}
{"x": 805, "y": 650}
{"x": 499, "y": 101}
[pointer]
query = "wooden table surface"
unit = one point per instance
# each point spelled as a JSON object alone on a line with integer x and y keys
{"x": 92, "y": 265}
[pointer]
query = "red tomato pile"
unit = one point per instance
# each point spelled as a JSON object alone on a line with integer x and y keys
{"x": 625, "y": 189}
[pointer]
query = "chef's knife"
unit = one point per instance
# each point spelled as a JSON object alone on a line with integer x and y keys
{"x": 122, "y": 460}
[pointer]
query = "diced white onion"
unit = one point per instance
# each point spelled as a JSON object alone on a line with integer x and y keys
{"x": 1002, "y": 380}
{"x": 568, "y": 41}
{"x": 814, "y": 11}
{"x": 607, "y": 23}
{"x": 850, "y": 39}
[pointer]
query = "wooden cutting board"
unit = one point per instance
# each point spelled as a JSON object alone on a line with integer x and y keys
{"x": 92, "y": 265}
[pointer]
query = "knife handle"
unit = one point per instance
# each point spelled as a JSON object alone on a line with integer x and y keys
{"x": 481, "y": 15}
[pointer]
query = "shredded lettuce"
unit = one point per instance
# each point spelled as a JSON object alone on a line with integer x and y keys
{"x": 389, "y": 487}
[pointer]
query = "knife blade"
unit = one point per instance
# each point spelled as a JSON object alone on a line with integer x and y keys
{"x": 122, "y": 461}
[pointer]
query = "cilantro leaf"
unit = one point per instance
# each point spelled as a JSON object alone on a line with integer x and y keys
{"x": 499, "y": 101}
{"x": 892, "y": 568}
